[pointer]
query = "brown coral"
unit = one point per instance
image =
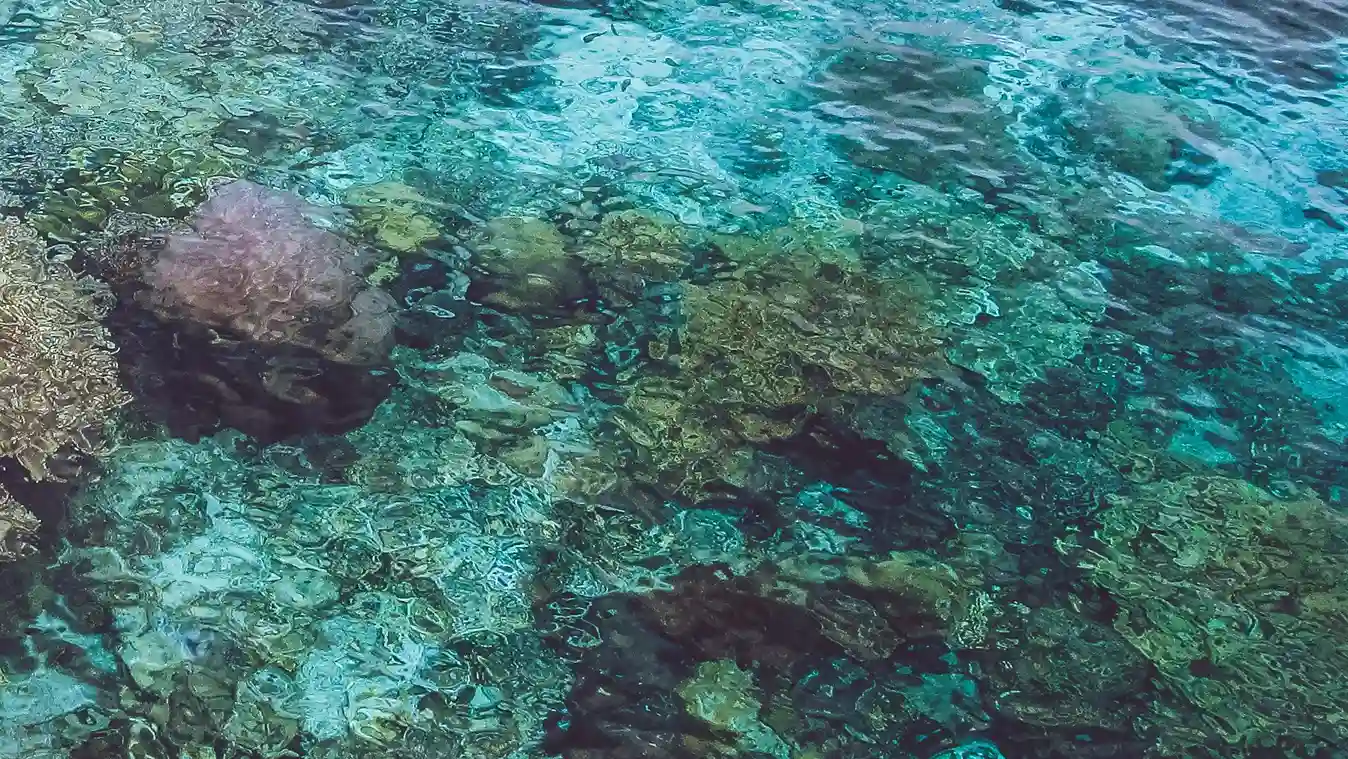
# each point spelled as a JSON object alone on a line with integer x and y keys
{"x": 527, "y": 268}
{"x": 648, "y": 246}
{"x": 58, "y": 375}
{"x": 760, "y": 351}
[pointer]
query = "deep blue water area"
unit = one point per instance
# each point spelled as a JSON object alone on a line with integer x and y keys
{"x": 612, "y": 379}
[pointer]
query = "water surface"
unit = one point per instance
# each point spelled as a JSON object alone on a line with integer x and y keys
{"x": 619, "y": 380}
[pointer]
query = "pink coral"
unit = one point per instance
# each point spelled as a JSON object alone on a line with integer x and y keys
{"x": 257, "y": 266}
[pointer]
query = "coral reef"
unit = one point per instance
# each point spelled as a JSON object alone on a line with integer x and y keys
{"x": 1043, "y": 326}
{"x": 255, "y": 317}
{"x": 1054, "y": 668}
{"x": 919, "y": 112}
{"x": 394, "y": 216}
{"x": 86, "y": 187}
{"x": 528, "y": 269}
{"x": 724, "y": 696}
{"x": 279, "y": 610}
{"x": 761, "y": 349}
{"x": 783, "y": 661}
{"x": 629, "y": 380}
{"x": 17, "y": 527}
{"x": 58, "y": 372}
{"x": 636, "y": 247}
{"x": 376, "y": 593}
{"x": 1236, "y": 599}
{"x": 1143, "y": 135}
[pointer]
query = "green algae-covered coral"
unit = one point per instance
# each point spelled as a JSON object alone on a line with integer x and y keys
{"x": 1238, "y": 600}
{"x": 93, "y": 185}
{"x": 725, "y": 697}
{"x": 527, "y": 267}
{"x": 58, "y": 375}
{"x": 394, "y": 216}
{"x": 650, "y": 246}
{"x": 759, "y": 351}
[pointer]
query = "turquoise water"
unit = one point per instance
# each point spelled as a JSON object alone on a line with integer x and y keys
{"x": 618, "y": 380}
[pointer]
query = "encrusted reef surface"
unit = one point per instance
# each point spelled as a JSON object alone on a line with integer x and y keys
{"x": 621, "y": 380}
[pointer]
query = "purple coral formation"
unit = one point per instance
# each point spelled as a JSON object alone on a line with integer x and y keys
{"x": 255, "y": 317}
{"x": 256, "y": 265}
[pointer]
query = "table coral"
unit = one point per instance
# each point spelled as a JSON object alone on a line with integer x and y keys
{"x": 58, "y": 375}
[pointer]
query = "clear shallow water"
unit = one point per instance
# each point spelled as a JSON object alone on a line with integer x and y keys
{"x": 632, "y": 380}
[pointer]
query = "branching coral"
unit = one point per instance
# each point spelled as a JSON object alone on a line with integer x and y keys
{"x": 1238, "y": 600}
{"x": 257, "y": 266}
{"x": 58, "y": 375}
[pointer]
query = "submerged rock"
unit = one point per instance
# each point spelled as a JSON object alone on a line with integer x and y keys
{"x": 1145, "y": 136}
{"x": 920, "y": 113}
